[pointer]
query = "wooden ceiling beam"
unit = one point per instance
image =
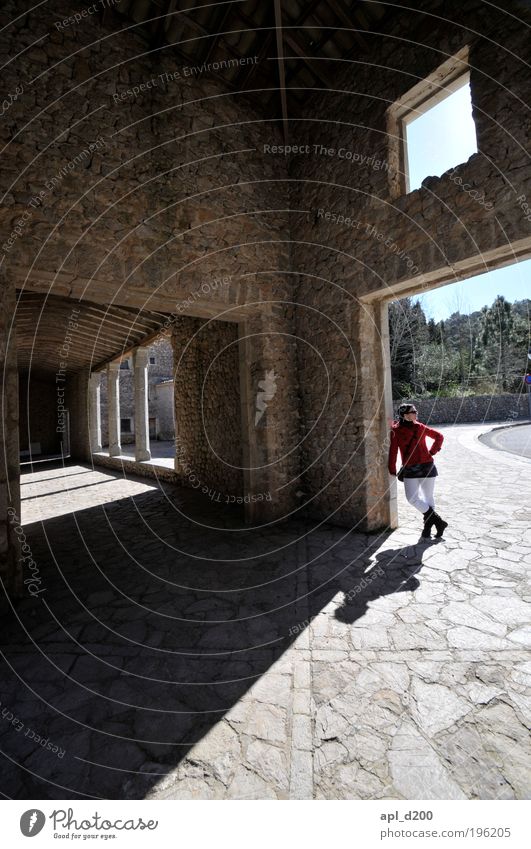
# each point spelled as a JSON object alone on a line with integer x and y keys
{"x": 281, "y": 69}
{"x": 36, "y": 341}
{"x": 160, "y": 26}
{"x": 271, "y": 35}
{"x": 289, "y": 39}
{"x": 111, "y": 323}
{"x": 195, "y": 25}
{"x": 348, "y": 17}
{"x": 140, "y": 344}
{"x": 222, "y": 19}
{"x": 312, "y": 65}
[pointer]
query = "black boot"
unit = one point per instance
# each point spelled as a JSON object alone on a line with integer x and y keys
{"x": 428, "y": 522}
{"x": 440, "y": 524}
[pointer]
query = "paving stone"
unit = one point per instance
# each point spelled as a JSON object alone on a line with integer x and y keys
{"x": 271, "y": 689}
{"x": 269, "y": 762}
{"x": 521, "y": 635}
{"x": 420, "y": 690}
{"x": 246, "y": 784}
{"x": 461, "y": 613}
{"x": 301, "y": 779}
{"x": 511, "y": 610}
{"x": 267, "y": 722}
{"x": 435, "y": 707}
{"x": 416, "y": 770}
{"x": 463, "y": 637}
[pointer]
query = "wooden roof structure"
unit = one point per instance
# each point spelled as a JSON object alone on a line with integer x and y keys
{"x": 47, "y": 335}
{"x": 290, "y": 39}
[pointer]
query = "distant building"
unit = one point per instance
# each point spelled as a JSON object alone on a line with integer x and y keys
{"x": 160, "y": 395}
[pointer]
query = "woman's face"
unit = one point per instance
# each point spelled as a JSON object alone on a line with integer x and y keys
{"x": 411, "y": 416}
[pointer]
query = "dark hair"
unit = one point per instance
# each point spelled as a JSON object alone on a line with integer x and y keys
{"x": 404, "y": 409}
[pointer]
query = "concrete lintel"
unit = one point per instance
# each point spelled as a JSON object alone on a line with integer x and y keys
{"x": 499, "y": 257}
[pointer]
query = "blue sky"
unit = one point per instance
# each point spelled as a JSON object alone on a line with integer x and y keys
{"x": 441, "y": 138}
{"x": 513, "y": 282}
{"x": 434, "y": 146}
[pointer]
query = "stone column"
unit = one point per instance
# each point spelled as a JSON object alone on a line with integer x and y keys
{"x": 386, "y": 417}
{"x": 346, "y": 446}
{"x": 189, "y": 453}
{"x": 95, "y": 412}
{"x": 141, "y": 360}
{"x": 10, "y": 530}
{"x": 78, "y": 405}
{"x": 270, "y": 421}
{"x": 113, "y": 396}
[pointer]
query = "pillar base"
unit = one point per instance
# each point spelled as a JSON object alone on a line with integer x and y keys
{"x": 115, "y": 450}
{"x": 141, "y": 456}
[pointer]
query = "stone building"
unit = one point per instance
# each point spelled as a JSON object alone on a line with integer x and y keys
{"x": 160, "y": 401}
{"x": 158, "y": 176}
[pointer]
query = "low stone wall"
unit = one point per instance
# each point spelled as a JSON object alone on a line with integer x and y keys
{"x": 145, "y": 470}
{"x": 469, "y": 408}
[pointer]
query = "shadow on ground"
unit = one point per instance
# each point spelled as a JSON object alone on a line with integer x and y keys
{"x": 151, "y": 626}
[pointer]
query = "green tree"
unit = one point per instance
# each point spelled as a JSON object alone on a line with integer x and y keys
{"x": 407, "y": 334}
{"x": 497, "y": 350}
{"x": 483, "y": 351}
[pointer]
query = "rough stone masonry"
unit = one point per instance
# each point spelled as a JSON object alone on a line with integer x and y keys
{"x": 187, "y": 184}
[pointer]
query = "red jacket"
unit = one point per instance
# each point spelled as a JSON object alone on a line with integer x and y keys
{"x": 403, "y": 435}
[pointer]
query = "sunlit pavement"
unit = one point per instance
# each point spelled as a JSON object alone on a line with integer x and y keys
{"x": 164, "y": 657}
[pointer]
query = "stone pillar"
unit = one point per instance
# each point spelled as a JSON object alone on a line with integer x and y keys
{"x": 386, "y": 418}
{"x": 269, "y": 409}
{"x": 371, "y": 342}
{"x": 95, "y": 412}
{"x": 345, "y": 396}
{"x": 262, "y": 473}
{"x": 78, "y": 406}
{"x": 189, "y": 463}
{"x": 10, "y": 522}
{"x": 113, "y": 406}
{"x": 141, "y": 360}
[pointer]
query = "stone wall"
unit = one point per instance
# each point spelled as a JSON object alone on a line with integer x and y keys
{"x": 174, "y": 200}
{"x": 386, "y": 245}
{"x": 470, "y": 408}
{"x": 172, "y": 174}
{"x": 77, "y": 400}
{"x": 10, "y": 562}
{"x": 162, "y": 201}
{"x": 38, "y": 415}
{"x": 207, "y": 406}
{"x": 165, "y": 409}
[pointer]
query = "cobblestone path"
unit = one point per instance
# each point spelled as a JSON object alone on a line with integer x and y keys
{"x": 171, "y": 653}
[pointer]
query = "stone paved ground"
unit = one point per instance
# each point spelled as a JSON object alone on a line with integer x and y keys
{"x": 175, "y": 657}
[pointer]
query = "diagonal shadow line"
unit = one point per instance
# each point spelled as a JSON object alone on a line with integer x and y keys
{"x": 53, "y": 478}
{"x": 67, "y": 489}
{"x": 123, "y": 712}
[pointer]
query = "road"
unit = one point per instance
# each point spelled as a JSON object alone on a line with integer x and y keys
{"x": 516, "y": 440}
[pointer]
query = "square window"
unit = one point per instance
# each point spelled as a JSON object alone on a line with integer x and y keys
{"x": 439, "y": 134}
{"x": 125, "y": 425}
{"x": 430, "y": 128}
{"x": 152, "y": 360}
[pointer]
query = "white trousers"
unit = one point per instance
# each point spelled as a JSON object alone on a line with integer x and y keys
{"x": 419, "y": 492}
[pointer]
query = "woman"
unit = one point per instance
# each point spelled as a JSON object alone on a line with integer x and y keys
{"x": 418, "y": 469}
